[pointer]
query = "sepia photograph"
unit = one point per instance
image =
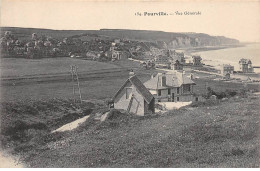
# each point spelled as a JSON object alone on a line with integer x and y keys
{"x": 129, "y": 84}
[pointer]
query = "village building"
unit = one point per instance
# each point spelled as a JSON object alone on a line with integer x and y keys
{"x": 118, "y": 55}
{"x": 174, "y": 56}
{"x": 245, "y": 66}
{"x": 92, "y": 55}
{"x": 161, "y": 60}
{"x": 171, "y": 87}
{"x": 196, "y": 60}
{"x": 226, "y": 71}
{"x": 134, "y": 97}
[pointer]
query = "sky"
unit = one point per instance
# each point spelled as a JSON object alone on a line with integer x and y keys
{"x": 237, "y": 19}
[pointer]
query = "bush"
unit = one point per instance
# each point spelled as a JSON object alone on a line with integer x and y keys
{"x": 226, "y": 94}
{"x": 208, "y": 102}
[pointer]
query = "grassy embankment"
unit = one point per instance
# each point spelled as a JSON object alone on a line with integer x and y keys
{"x": 219, "y": 134}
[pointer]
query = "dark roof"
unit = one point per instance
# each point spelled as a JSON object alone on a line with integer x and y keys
{"x": 172, "y": 80}
{"x": 245, "y": 61}
{"x": 139, "y": 86}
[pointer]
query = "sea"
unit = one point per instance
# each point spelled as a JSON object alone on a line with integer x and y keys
{"x": 232, "y": 56}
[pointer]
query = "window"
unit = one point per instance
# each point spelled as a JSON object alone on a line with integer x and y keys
{"x": 197, "y": 99}
{"x": 178, "y": 90}
{"x": 159, "y": 92}
{"x": 159, "y": 100}
{"x": 178, "y": 99}
{"x": 128, "y": 92}
{"x": 186, "y": 88}
{"x": 169, "y": 91}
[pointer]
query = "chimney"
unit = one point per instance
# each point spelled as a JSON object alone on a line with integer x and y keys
{"x": 131, "y": 73}
{"x": 163, "y": 80}
{"x": 191, "y": 76}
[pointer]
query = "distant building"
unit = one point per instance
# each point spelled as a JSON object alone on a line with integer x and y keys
{"x": 134, "y": 97}
{"x": 173, "y": 56}
{"x": 118, "y": 55}
{"x": 245, "y": 66}
{"x": 92, "y": 55}
{"x": 227, "y": 70}
{"x": 196, "y": 60}
{"x": 171, "y": 87}
{"x": 161, "y": 59}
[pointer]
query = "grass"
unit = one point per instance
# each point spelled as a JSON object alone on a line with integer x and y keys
{"x": 222, "y": 135}
{"x": 17, "y": 67}
{"x": 24, "y": 121}
{"x": 97, "y": 80}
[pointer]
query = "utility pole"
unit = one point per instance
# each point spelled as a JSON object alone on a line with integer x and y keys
{"x": 74, "y": 75}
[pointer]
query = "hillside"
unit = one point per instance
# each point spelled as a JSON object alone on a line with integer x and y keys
{"x": 173, "y": 40}
{"x": 224, "y": 134}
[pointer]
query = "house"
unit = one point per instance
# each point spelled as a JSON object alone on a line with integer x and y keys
{"x": 92, "y": 55}
{"x": 118, "y": 55}
{"x": 134, "y": 97}
{"x": 245, "y": 66}
{"x": 196, "y": 60}
{"x": 161, "y": 59}
{"x": 174, "y": 56}
{"x": 227, "y": 70}
{"x": 171, "y": 87}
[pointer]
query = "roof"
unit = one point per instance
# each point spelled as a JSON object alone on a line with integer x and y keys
{"x": 172, "y": 80}
{"x": 196, "y": 56}
{"x": 245, "y": 61}
{"x": 148, "y": 97}
{"x": 227, "y": 65}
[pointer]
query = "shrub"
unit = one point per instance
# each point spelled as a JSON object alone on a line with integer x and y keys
{"x": 208, "y": 102}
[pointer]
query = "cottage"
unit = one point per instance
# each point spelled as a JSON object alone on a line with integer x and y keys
{"x": 227, "y": 70}
{"x": 134, "y": 97}
{"x": 171, "y": 87}
{"x": 197, "y": 60}
{"x": 245, "y": 65}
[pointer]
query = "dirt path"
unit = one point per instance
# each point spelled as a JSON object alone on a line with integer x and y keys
{"x": 71, "y": 125}
{"x": 6, "y": 161}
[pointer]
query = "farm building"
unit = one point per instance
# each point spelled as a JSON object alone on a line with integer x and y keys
{"x": 134, "y": 97}
{"x": 245, "y": 65}
{"x": 172, "y": 87}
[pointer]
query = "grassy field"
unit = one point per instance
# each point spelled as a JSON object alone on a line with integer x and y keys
{"x": 94, "y": 86}
{"x": 17, "y": 67}
{"x": 24, "y": 79}
{"x": 224, "y": 134}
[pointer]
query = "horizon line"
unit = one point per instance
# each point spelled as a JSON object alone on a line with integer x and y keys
{"x": 123, "y": 29}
